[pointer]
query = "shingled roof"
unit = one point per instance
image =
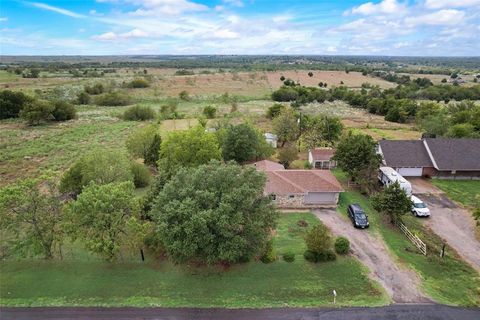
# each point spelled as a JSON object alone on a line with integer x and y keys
{"x": 405, "y": 153}
{"x": 454, "y": 154}
{"x": 267, "y": 165}
{"x": 284, "y": 182}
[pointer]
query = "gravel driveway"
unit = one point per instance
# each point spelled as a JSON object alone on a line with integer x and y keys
{"x": 400, "y": 283}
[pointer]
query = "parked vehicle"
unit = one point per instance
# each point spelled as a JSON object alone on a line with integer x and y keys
{"x": 358, "y": 216}
{"x": 388, "y": 176}
{"x": 419, "y": 208}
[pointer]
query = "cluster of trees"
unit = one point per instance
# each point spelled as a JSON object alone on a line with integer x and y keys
{"x": 34, "y": 111}
{"x": 320, "y": 245}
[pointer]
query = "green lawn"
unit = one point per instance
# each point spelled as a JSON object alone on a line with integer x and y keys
{"x": 461, "y": 191}
{"x": 89, "y": 281}
{"x": 449, "y": 280}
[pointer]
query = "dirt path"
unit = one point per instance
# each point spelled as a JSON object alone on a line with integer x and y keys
{"x": 400, "y": 283}
{"x": 455, "y": 225}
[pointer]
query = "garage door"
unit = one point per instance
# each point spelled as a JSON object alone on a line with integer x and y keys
{"x": 320, "y": 198}
{"x": 410, "y": 172}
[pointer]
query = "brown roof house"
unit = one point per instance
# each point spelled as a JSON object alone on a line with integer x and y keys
{"x": 292, "y": 189}
{"x": 433, "y": 157}
{"x": 322, "y": 158}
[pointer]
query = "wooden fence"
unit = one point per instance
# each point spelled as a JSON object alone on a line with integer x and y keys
{"x": 413, "y": 238}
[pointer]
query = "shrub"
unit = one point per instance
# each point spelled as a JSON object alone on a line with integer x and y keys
{"x": 342, "y": 245}
{"x": 184, "y": 72}
{"x": 141, "y": 175}
{"x": 318, "y": 239}
{"x": 112, "y": 99}
{"x": 139, "y": 113}
{"x": 184, "y": 95}
{"x": 63, "y": 111}
{"x": 97, "y": 88}
{"x": 37, "y": 111}
{"x": 322, "y": 256}
{"x": 209, "y": 112}
{"x": 83, "y": 98}
{"x": 270, "y": 254}
{"x": 289, "y": 257}
{"x": 285, "y": 94}
{"x": 310, "y": 256}
{"x": 138, "y": 83}
{"x": 12, "y": 103}
{"x": 274, "y": 110}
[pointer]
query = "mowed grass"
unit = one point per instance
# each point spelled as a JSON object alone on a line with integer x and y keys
{"x": 465, "y": 192}
{"x": 449, "y": 280}
{"x": 91, "y": 282}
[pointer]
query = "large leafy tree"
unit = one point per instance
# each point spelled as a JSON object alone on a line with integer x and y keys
{"x": 356, "y": 154}
{"x": 285, "y": 126}
{"x": 321, "y": 131}
{"x": 243, "y": 143}
{"x": 98, "y": 166}
{"x": 392, "y": 201}
{"x": 215, "y": 213}
{"x": 145, "y": 143}
{"x": 101, "y": 216}
{"x": 31, "y": 213}
{"x": 12, "y": 103}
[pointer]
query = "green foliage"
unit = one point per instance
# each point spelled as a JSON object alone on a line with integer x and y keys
{"x": 138, "y": 83}
{"x": 342, "y": 245}
{"x": 285, "y": 126}
{"x": 462, "y": 130}
{"x": 287, "y": 155}
{"x": 63, "y": 111}
{"x": 270, "y": 254}
{"x": 214, "y": 213}
{"x": 184, "y": 72}
{"x": 299, "y": 95}
{"x": 83, "y": 98}
{"x": 392, "y": 201}
{"x": 322, "y": 256}
{"x": 98, "y": 166}
{"x": 31, "y": 213}
{"x": 289, "y": 256}
{"x": 36, "y": 112}
{"x": 100, "y": 215}
{"x": 97, "y": 88}
{"x": 318, "y": 239}
{"x": 189, "y": 148}
{"x": 209, "y": 112}
{"x": 169, "y": 110}
{"x": 321, "y": 131}
{"x": 11, "y": 103}
{"x": 145, "y": 143}
{"x": 243, "y": 143}
{"x": 141, "y": 175}
{"x": 112, "y": 99}
{"x": 183, "y": 95}
{"x": 139, "y": 113}
{"x": 274, "y": 110}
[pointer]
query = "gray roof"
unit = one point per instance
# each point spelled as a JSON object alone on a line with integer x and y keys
{"x": 455, "y": 154}
{"x": 405, "y": 153}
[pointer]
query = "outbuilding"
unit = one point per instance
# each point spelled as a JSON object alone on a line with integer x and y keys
{"x": 321, "y": 158}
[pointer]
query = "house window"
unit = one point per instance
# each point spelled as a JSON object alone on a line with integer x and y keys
{"x": 273, "y": 196}
{"x": 291, "y": 196}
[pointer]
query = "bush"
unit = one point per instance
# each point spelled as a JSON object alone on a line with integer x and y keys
{"x": 274, "y": 110}
{"x": 184, "y": 95}
{"x": 270, "y": 254}
{"x": 138, "y": 83}
{"x": 141, "y": 175}
{"x": 342, "y": 245}
{"x": 83, "y": 98}
{"x": 310, "y": 256}
{"x": 318, "y": 239}
{"x": 112, "y": 99}
{"x": 63, "y": 111}
{"x": 289, "y": 257}
{"x": 139, "y": 113}
{"x": 37, "y": 111}
{"x": 209, "y": 112}
{"x": 12, "y": 103}
{"x": 97, "y": 88}
{"x": 322, "y": 256}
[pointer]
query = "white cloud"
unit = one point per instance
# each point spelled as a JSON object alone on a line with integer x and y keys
{"x": 112, "y": 36}
{"x": 441, "y": 17}
{"x": 155, "y": 7}
{"x": 235, "y": 3}
{"x": 225, "y": 34}
{"x": 440, "y": 4}
{"x": 56, "y": 9}
{"x": 384, "y": 7}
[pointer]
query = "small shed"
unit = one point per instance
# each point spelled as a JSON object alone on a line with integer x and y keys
{"x": 271, "y": 139}
{"x": 322, "y": 158}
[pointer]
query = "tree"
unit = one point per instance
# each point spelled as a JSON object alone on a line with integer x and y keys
{"x": 139, "y": 113}
{"x": 243, "y": 143}
{"x": 275, "y": 110}
{"x": 37, "y": 111}
{"x": 189, "y": 148}
{"x": 11, "y": 103}
{"x": 310, "y": 74}
{"x": 98, "y": 166}
{"x": 215, "y": 213}
{"x": 282, "y": 78}
{"x": 321, "y": 131}
{"x": 285, "y": 126}
{"x": 318, "y": 239}
{"x": 287, "y": 155}
{"x": 31, "y": 211}
{"x": 145, "y": 143}
{"x": 63, "y": 111}
{"x": 100, "y": 214}
{"x": 112, "y": 99}
{"x": 356, "y": 156}
{"x": 209, "y": 112}
{"x": 392, "y": 201}
{"x": 463, "y": 130}
{"x": 83, "y": 98}
{"x": 138, "y": 83}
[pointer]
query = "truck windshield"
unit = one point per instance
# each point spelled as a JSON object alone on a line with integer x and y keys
{"x": 361, "y": 215}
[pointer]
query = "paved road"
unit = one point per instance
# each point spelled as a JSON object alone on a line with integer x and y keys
{"x": 401, "y": 284}
{"x": 394, "y": 312}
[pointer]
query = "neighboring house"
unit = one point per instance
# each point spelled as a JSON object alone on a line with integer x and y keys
{"x": 322, "y": 158}
{"x": 441, "y": 158}
{"x": 291, "y": 189}
{"x": 271, "y": 139}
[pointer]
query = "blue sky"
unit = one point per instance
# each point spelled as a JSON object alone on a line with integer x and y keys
{"x": 352, "y": 27}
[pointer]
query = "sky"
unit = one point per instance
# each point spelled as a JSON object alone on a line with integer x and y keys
{"x": 349, "y": 27}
